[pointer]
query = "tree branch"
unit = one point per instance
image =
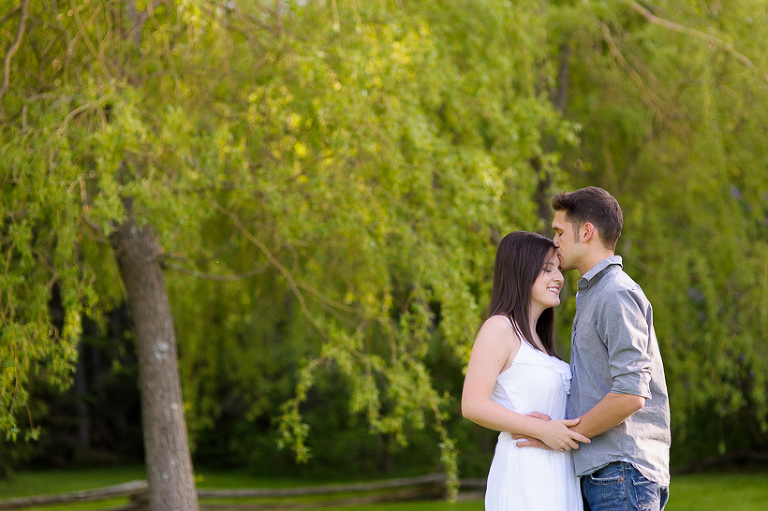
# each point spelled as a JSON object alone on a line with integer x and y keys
{"x": 559, "y": 95}
{"x": 82, "y": 32}
{"x": 295, "y": 286}
{"x": 272, "y": 259}
{"x": 10, "y": 13}
{"x": 139, "y": 18}
{"x": 652, "y": 100}
{"x": 728, "y": 47}
{"x": 210, "y": 276}
{"x": 14, "y": 48}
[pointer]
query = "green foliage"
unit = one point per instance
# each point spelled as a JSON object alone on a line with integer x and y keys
{"x": 374, "y": 171}
{"x": 358, "y": 161}
{"x": 328, "y": 181}
{"x": 739, "y": 491}
{"x": 672, "y": 121}
{"x": 72, "y": 159}
{"x": 39, "y": 238}
{"x": 378, "y": 171}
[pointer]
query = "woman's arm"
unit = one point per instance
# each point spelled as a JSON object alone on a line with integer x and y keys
{"x": 495, "y": 347}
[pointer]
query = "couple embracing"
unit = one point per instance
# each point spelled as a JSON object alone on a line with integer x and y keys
{"x": 591, "y": 436}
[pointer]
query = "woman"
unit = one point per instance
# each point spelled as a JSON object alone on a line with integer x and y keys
{"x": 513, "y": 371}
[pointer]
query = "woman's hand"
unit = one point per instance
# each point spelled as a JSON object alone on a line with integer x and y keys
{"x": 555, "y": 435}
{"x": 559, "y": 436}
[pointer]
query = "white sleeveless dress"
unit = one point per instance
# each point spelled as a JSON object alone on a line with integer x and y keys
{"x": 528, "y": 478}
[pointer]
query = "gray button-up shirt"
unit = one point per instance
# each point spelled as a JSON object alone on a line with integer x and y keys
{"x": 614, "y": 349}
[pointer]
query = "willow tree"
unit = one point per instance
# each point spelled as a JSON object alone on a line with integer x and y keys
{"x": 94, "y": 166}
{"x": 672, "y": 98}
{"x": 363, "y": 158}
{"x": 389, "y": 146}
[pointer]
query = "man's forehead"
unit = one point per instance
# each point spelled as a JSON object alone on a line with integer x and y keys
{"x": 559, "y": 221}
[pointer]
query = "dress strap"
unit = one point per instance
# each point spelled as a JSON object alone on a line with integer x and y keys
{"x": 515, "y": 328}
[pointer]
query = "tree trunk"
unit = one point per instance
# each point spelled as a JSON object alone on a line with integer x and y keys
{"x": 81, "y": 405}
{"x": 167, "y": 457}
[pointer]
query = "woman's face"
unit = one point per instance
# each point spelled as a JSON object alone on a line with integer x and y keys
{"x": 547, "y": 286}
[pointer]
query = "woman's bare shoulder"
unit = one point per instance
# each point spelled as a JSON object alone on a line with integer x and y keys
{"x": 499, "y": 326}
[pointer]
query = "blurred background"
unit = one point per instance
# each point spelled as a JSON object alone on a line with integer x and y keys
{"x": 324, "y": 183}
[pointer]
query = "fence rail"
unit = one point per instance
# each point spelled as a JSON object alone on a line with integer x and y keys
{"x": 432, "y": 486}
{"x": 129, "y": 489}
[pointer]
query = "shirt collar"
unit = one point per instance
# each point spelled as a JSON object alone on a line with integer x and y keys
{"x": 594, "y": 274}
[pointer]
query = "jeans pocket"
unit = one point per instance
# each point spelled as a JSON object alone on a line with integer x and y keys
{"x": 611, "y": 474}
{"x": 605, "y": 481}
{"x": 605, "y": 490}
{"x": 647, "y": 494}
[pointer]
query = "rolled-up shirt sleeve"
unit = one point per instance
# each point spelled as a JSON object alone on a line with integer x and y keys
{"x": 625, "y": 328}
{"x": 614, "y": 350}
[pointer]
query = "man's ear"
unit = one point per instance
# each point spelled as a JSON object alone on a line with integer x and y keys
{"x": 587, "y": 231}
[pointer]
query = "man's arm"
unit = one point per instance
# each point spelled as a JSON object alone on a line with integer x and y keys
{"x": 608, "y": 413}
{"x": 624, "y": 325}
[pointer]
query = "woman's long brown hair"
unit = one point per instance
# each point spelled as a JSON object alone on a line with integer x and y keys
{"x": 520, "y": 258}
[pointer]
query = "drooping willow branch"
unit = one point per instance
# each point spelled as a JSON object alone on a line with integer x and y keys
{"x": 650, "y": 98}
{"x": 212, "y": 276}
{"x": 671, "y": 25}
{"x": 9, "y": 56}
{"x": 274, "y": 261}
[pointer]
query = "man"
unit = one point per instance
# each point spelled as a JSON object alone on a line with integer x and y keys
{"x": 618, "y": 387}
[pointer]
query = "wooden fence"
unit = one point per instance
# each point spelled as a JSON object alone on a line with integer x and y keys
{"x": 314, "y": 497}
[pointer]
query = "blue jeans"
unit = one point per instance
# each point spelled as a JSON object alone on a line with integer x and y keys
{"x": 620, "y": 487}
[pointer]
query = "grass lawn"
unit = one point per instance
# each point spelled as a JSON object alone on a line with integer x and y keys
{"x": 729, "y": 491}
{"x": 691, "y": 492}
{"x": 700, "y": 492}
